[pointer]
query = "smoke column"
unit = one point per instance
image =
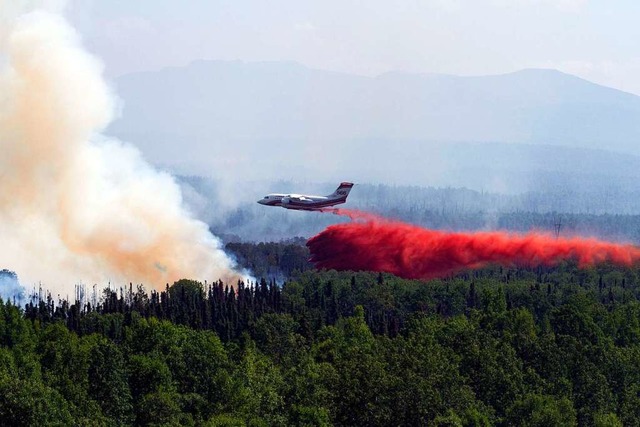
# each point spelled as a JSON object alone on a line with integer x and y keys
{"x": 74, "y": 205}
{"x": 375, "y": 244}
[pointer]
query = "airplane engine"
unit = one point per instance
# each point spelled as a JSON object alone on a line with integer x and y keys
{"x": 285, "y": 200}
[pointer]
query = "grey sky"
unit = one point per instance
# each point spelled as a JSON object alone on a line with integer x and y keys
{"x": 595, "y": 39}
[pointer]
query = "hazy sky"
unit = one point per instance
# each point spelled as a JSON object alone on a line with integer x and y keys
{"x": 595, "y": 39}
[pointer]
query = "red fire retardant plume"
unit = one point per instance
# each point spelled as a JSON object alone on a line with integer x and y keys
{"x": 375, "y": 244}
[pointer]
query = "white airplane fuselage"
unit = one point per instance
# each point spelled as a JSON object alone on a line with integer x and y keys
{"x": 307, "y": 202}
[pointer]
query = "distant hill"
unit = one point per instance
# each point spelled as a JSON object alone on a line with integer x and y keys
{"x": 281, "y": 119}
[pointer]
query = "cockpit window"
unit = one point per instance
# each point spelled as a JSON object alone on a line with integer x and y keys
{"x": 266, "y": 197}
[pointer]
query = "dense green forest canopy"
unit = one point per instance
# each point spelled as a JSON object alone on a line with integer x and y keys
{"x": 498, "y": 346}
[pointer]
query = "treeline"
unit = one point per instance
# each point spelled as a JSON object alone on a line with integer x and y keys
{"x": 271, "y": 259}
{"x": 531, "y": 347}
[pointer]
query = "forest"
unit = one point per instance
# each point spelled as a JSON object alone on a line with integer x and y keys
{"x": 550, "y": 346}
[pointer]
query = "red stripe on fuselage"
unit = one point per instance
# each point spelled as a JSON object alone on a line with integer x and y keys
{"x": 314, "y": 205}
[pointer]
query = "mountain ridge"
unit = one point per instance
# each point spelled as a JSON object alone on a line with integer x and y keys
{"x": 276, "y": 115}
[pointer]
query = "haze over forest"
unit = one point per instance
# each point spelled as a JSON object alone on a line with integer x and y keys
{"x": 439, "y": 150}
{"x": 464, "y": 151}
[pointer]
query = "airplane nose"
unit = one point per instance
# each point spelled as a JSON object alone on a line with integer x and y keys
{"x": 261, "y": 201}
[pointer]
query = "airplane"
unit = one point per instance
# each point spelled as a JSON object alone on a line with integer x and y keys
{"x": 308, "y": 203}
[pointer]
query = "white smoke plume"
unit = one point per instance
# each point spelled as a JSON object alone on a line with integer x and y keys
{"x": 74, "y": 205}
{"x": 10, "y": 288}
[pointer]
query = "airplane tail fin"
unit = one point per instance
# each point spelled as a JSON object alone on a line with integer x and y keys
{"x": 343, "y": 190}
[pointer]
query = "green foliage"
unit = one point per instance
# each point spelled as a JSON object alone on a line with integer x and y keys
{"x": 607, "y": 420}
{"x": 535, "y": 410}
{"x": 159, "y": 408}
{"x": 261, "y": 386}
{"x": 148, "y": 374}
{"x": 224, "y": 420}
{"x": 275, "y": 334}
{"x": 30, "y": 403}
{"x": 199, "y": 365}
{"x": 522, "y": 347}
{"x": 108, "y": 384}
{"x": 309, "y": 416}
